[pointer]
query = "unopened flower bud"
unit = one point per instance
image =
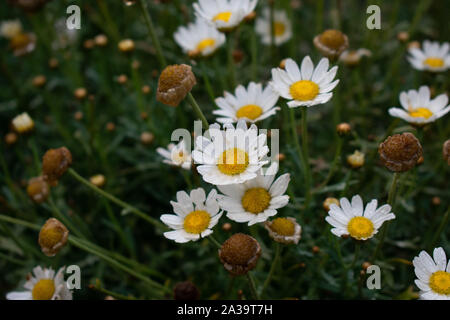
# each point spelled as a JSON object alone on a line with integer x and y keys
{"x": 11, "y": 138}
{"x": 23, "y": 123}
{"x": 446, "y": 151}
{"x": 52, "y": 237}
{"x": 239, "y": 254}
{"x": 110, "y": 126}
{"x": 101, "y": 40}
{"x": 400, "y": 152}
{"x": 366, "y": 265}
{"x": 436, "y": 201}
{"x": 175, "y": 82}
{"x": 146, "y": 89}
{"x": 98, "y": 180}
{"x": 226, "y": 227}
{"x": 186, "y": 291}
{"x": 343, "y": 128}
{"x": 89, "y": 44}
{"x": 414, "y": 44}
{"x": 39, "y": 81}
{"x": 356, "y": 160}
{"x": 78, "y": 115}
{"x": 38, "y": 189}
{"x": 282, "y": 64}
{"x": 284, "y": 230}
{"x": 80, "y": 93}
{"x": 403, "y": 36}
{"x": 315, "y": 249}
{"x": 55, "y": 163}
{"x": 126, "y": 45}
{"x": 328, "y": 202}
{"x": 147, "y": 138}
{"x": 238, "y": 56}
{"x": 53, "y": 63}
{"x": 122, "y": 79}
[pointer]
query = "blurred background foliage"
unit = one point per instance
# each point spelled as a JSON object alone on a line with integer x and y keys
{"x": 134, "y": 171}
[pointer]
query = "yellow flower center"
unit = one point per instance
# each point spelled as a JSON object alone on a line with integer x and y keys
{"x": 440, "y": 282}
{"x": 43, "y": 290}
{"x": 233, "y": 161}
{"x": 304, "y": 90}
{"x": 256, "y": 200}
{"x": 250, "y": 111}
{"x": 360, "y": 227}
{"x": 178, "y": 157}
{"x": 421, "y": 113}
{"x": 51, "y": 236}
{"x": 434, "y": 62}
{"x": 197, "y": 221}
{"x": 283, "y": 226}
{"x": 205, "y": 43}
{"x": 279, "y": 29}
{"x": 223, "y": 16}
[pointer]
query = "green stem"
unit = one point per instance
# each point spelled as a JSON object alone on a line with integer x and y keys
{"x": 272, "y": 268}
{"x": 306, "y": 157}
{"x": 152, "y": 32}
{"x": 65, "y": 220}
{"x": 334, "y": 165}
{"x": 391, "y": 202}
{"x": 117, "y": 201}
{"x": 441, "y": 228}
{"x": 197, "y": 110}
{"x": 319, "y": 16}
{"x": 213, "y": 240}
{"x": 251, "y": 283}
{"x": 208, "y": 86}
{"x": 231, "y": 66}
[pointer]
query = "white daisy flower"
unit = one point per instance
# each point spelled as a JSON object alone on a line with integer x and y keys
{"x": 434, "y": 57}
{"x": 352, "y": 219}
{"x": 195, "y": 216}
{"x": 224, "y": 14}
{"x": 44, "y": 285}
{"x": 255, "y": 200}
{"x": 232, "y": 155}
{"x": 282, "y": 27}
{"x": 176, "y": 155}
{"x": 418, "y": 108}
{"x": 252, "y": 104}
{"x": 199, "y": 38}
{"x": 433, "y": 275}
{"x": 307, "y": 86}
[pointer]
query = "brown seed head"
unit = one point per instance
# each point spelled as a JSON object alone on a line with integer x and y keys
{"x": 238, "y": 56}
{"x": 175, "y": 82}
{"x": 185, "y": 291}
{"x": 239, "y": 254}
{"x": 400, "y": 152}
{"x": 38, "y": 189}
{"x": 52, "y": 237}
{"x": 55, "y": 163}
{"x": 331, "y": 43}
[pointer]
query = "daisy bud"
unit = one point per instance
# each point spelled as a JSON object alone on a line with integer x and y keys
{"x": 78, "y": 115}
{"x": 343, "y": 128}
{"x": 226, "y": 227}
{"x": 366, "y": 265}
{"x": 284, "y": 230}
{"x": 175, "y": 82}
{"x": 126, "y": 45}
{"x": 280, "y": 157}
{"x": 414, "y": 44}
{"x": 11, "y": 138}
{"x": 39, "y": 81}
{"x": 22, "y": 43}
{"x": 436, "y": 201}
{"x": 23, "y": 123}
{"x": 55, "y": 163}
{"x": 129, "y": 2}
{"x": 403, "y": 36}
{"x": 98, "y": 180}
{"x": 53, "y": 63}
{"x": 239, "y": 254}
{"x": 135, "y": 64}
{"x": 446, "y": 151}
{"x": 328, "y": 202}
{"x": 38, "y": 189}
{"x": 356, "y": 160}
{"x": 110, "y": 298}
{"x": 146, "y": 89}
{"x": 122, "y": 79}
{"x": 315, "y": 249}
{"x": 101, "y": 40}
{"x": 144, "y": 115}
{"x": 89, "y": 44}
{"x": 147, "y": 138}
{"x": 400, "y": 152}
{"x": 52, "y": 237}
{"x": 282, "y": 64}
{"x": 80, "y": 93}
{"x": 331, "y": 43}
{"x": 238, "y": 56}
{"x": 250, "y": 17}
{"x": 110, "y": 126}
{"x": 185, "y": 291}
